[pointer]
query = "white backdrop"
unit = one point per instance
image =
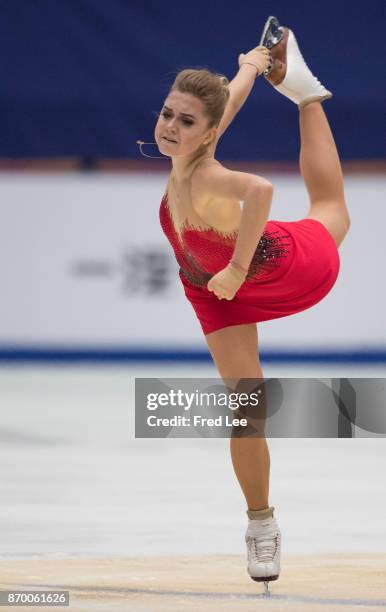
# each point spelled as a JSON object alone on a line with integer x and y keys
{"x": 84, "y": 261}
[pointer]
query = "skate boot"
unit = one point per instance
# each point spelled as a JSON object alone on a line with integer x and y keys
{"x": 263, "y": 540}
{"x": 288, "y": 72}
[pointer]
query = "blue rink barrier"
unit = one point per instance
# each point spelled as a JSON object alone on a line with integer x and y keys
{"x": 41, "y": 354}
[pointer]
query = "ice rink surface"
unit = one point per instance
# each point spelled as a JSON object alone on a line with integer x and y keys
{"x": 76, "y": 483}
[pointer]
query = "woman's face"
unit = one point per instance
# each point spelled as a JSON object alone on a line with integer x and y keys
{"x": 182, "y": 121}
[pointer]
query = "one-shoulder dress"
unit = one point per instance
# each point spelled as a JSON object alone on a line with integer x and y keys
{"x": 295, "y": 265}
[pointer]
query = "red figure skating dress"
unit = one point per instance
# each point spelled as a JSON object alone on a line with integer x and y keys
{"x": 295, "y": 265}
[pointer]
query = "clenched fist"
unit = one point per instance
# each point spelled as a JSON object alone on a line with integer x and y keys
{"x": 259, "y": 57}
{"x": 226, "y": 283}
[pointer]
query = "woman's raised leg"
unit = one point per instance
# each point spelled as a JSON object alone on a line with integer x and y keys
{"x": 319, "y": 159}
{"x": 322, "y": 173}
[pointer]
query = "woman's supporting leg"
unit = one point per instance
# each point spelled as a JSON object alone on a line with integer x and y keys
{"x": 251, "y": 462}
{"x": 321, "y": 170}
{"x": 235, "y": 353}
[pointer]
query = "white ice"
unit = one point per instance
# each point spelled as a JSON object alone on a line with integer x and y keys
{"x": 75, "y": 482}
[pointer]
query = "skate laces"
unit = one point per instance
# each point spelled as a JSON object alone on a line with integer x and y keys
{"x": 263, "y": 546}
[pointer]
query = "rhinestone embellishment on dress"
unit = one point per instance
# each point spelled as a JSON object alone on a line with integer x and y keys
{"x": 209, "y": 244}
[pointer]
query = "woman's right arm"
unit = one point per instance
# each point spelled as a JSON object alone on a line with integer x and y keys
{"x": 240, "y": 88}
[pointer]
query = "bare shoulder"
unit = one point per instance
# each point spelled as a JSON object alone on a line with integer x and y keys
{"x": 212, "y": 180}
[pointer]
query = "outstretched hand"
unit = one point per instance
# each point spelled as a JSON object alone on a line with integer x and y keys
{"x": 226, "y": 283}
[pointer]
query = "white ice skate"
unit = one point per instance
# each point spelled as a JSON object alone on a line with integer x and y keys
{"x": 263, "y": 540}
{"x": 289, "y": 73}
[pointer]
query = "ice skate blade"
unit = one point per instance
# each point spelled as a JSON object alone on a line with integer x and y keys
{"x": 267, "y": 592}
{"x": 276, "y": 73}
{"x": 272, "y": 34}
{"x": 274, "y": 37}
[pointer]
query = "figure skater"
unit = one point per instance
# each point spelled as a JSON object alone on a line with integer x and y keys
{"x": 237, "y": 268}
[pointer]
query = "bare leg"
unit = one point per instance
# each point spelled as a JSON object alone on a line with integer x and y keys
{"x": 322, "y": 172}
{"x": 319, "y": 159}
{"x": 251, "y": 462}
{"x": 235, "y": 354}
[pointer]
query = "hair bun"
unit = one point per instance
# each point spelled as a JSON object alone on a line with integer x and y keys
{"x": 224, "y": 81}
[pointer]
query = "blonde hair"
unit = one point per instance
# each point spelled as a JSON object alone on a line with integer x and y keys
{"x": 211, "y": 88}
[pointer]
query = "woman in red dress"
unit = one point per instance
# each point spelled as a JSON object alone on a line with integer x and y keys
{"x": 237, "y": 267}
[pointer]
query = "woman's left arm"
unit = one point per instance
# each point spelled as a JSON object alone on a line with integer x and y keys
{"x": 251, "y": 65}
{"x": 241, "y": 86}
